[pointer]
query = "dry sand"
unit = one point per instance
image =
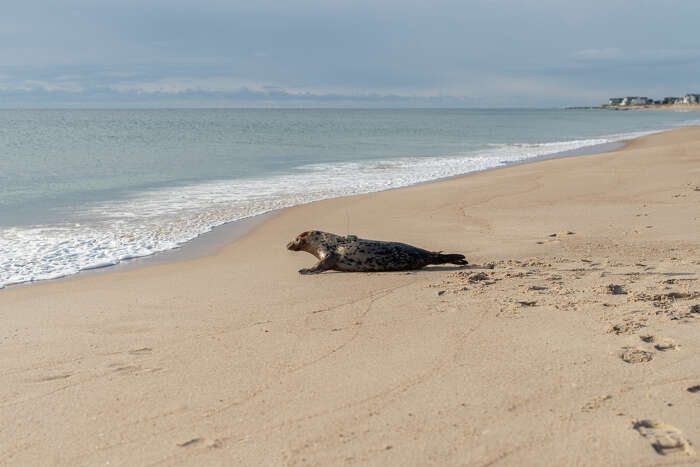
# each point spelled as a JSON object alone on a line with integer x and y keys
{"x": 572, "y": 338}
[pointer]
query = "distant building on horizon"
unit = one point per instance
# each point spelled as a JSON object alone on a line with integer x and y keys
{"x": 691, "y": 99}
{"x": 635, "y": 100}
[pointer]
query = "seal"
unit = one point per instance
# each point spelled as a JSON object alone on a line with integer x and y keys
{"x": 352, "y": 254}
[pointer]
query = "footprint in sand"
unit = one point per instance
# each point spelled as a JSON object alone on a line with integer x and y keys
{"x": 55, "y": 377}
{"x": 191, "y": 442}
{"x": 665, "y": 439}
{"x": 627, "y": 327}
{"x": 666, "y": 345}
{"x": 132, "y": 369}
{"x": 478, "y": 276}
{"x": 615, "y": 289}
{"x": 212, "y": 444}
{"x": 596, "y": 403}
{"x": 561, "y": 234}
{"x": 677, "y": 296}
{"x": 660, "y": 343}
{"x": 633, "y": 355}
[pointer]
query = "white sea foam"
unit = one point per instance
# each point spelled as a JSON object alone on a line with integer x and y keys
{"x": 157, "y": 220}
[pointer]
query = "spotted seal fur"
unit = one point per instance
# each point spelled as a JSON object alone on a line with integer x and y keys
{"x": 352, "y": 254}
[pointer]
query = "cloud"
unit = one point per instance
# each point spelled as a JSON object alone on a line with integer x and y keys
{"x": 31, "y": 85}
{"x": 226, "y": 85}
{"x": 474, "y": 90}
{"x": 183, "y": 85}
{"x": 248, "y": 91}
{"x": 333, "y": 52}
{"x": 128, "y": 89}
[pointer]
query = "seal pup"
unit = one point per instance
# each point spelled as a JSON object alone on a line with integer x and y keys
{"x": 352, "y": 254}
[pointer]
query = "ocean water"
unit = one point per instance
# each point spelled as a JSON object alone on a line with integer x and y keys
{"x": 82, "y": 189}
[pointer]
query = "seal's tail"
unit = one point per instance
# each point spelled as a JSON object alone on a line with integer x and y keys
{"x": 439, "y": 258}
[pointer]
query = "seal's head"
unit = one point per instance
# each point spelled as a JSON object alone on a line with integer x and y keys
{"x": 299, "y": 243}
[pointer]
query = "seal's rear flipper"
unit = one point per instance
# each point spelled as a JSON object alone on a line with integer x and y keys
{"x": 439, "y": 258}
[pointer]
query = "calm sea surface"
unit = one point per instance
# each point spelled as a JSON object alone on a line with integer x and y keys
{"x": 81, "y": 189}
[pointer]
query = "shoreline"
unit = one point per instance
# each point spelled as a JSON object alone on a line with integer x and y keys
{"x": 201, "y": 246}
{"x": 219, "y": 236}
{"x": 570, "y": 338}
{"x": 151, "y": 221}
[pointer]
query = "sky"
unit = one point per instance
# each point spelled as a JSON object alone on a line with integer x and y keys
{"x": 337, "y": 53}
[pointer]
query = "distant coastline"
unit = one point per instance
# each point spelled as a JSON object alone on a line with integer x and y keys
{"x": 688, "y": 102}
{"x": 676, "y": 107}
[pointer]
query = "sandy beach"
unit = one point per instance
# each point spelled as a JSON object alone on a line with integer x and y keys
{"x": 570, "y": 339}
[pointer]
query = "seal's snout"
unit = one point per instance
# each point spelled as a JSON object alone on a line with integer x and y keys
{"x": 299, "y": 243}
{"x": 294, "y": 245}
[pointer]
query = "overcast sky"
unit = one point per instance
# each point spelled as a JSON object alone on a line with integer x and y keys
{"x": 334, "y": 53}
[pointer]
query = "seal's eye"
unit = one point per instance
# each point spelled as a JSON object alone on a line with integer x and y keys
{"x": 297, "y": 240}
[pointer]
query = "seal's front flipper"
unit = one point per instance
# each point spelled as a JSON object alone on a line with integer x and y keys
{"x": 325, "y": 264}
{"x": 313, "y": 270}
